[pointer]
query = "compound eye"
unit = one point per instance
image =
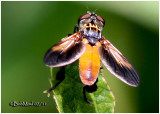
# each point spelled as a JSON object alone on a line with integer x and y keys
{"x": 85, "y": 16}
{"x": 100, "y": 19}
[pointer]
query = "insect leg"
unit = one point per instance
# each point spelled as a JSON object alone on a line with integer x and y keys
{"x": 84, "y": 95}
{"x": 76, "y": 28}
{"x": 59, "y": 76}
{"x": 89, "y": 89}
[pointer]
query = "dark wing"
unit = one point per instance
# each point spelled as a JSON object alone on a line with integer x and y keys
{"x": 65, "y": 52}
{"x": 117, "y": 64}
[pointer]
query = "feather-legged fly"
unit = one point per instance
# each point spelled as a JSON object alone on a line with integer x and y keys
{"x": 89, "y": 46}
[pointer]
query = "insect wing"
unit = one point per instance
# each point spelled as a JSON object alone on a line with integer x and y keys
{"x": 65, "y": 52}
{"x": 117, "y": 64}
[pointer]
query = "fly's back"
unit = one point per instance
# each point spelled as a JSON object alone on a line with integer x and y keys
{"x": 92, "y": 33}
{"x": 91, "y": 26}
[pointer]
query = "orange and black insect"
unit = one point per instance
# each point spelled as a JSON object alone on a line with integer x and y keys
{"x": 89, "y": 46}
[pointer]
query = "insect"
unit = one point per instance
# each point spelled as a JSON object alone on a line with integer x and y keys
{"x": 91, "y": 48}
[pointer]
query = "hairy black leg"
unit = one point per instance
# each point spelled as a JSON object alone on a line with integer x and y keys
{"x": 76, "y": 28}
{"x": 84, "y": 95}
{"x": 59, "y": 76}
{"x": 89, "y": 89}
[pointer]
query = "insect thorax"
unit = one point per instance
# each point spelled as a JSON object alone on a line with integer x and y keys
{"x": 92, "y": 33}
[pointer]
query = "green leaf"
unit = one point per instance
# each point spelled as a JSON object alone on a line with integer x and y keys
{"x": 69, "y": 94}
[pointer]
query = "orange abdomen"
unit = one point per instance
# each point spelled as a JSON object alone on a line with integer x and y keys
{"x": 89, "y": 65}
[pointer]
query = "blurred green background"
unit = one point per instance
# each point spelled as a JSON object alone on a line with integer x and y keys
{"x": 30, "y": 28}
